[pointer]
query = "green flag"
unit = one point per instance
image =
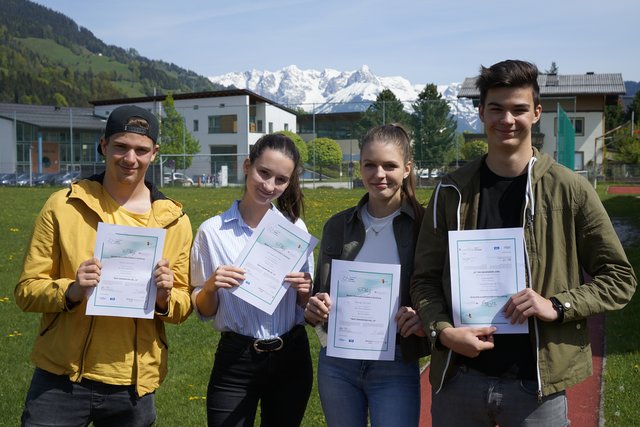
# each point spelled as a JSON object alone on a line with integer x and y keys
{"x": 566, "y": 140}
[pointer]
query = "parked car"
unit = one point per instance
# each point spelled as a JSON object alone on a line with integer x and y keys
{"x": 433, "y": 173}
{"x": 177, "y": 178}
{"x": 24, "y": 179}
{"x": 7, "y": 178}
{"x": 44, "y": 179}
{"x": 65, "y": 178}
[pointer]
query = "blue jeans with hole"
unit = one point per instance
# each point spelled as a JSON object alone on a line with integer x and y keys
{"x": 55, "y": 400}
{"x": 472, "y": 398}
{"x": 351, "y": 390}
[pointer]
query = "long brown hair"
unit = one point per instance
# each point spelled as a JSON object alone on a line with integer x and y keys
{"x": 291, "y": 201}
{"x": 397, "y": 135}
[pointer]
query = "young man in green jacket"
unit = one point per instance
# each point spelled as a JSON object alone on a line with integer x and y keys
{"x": 515, "y": 379}
{"x": 102, "y": 369}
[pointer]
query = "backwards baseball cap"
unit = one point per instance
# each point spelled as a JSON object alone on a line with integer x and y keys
{"x": 120, "y": 117}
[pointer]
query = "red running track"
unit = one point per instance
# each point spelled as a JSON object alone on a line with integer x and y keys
{"x": 623, "y": 189}
{"x": 583, "y": 398}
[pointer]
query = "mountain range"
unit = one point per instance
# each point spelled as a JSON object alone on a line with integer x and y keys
{"x": 331, "y": 91}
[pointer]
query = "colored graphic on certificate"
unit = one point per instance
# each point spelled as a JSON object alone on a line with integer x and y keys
{"x": 487, "y": 268}
{"x": 277, "y": 248}
{"x": 128, "y": 256}
{"x": 365, "y": 299}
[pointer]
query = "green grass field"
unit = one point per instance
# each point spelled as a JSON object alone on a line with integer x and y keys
{"x": 180, "y": 400}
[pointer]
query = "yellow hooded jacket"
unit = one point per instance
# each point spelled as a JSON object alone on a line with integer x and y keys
{"x": 63, "y": 237}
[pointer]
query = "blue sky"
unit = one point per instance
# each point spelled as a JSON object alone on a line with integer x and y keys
{"x": 424, "y": 41}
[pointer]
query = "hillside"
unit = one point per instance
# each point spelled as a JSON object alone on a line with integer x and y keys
{"x": 46, "y": 58}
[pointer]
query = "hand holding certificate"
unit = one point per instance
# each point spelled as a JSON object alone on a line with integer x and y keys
{"x": 128, "y": 256}
{"x": 487, "y": 267}
{"x": 362, "y": 323}
{"x": 277, "y": 247}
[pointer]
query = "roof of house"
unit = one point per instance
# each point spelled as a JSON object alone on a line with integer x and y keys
{"x": 552, "y": 85}
{"x": 193, "y": 95}
{"x": 49, "y": 116}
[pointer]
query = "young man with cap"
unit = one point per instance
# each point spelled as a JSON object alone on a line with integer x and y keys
{"x": 102, "y": 369}
{"x": 517, "y": 379}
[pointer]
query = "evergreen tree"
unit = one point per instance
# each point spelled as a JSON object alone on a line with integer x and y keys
{"x": 175, "y": 138}
{"x": 324, "y": 152}
{"x": 434, "y": 128}
{"x": 386, "y": 109}
{"x": 614, "y": 116}
{"x": 635, "y": 108}
{"x": 553, "y": 69}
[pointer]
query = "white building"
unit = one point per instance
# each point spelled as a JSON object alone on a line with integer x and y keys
{"x": 583, "y": 97}
{"x": 225, "y": 122}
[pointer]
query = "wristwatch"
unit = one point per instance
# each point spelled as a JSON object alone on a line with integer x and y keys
{"x": 557, "y": 306}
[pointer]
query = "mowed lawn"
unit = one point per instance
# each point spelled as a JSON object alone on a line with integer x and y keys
{"x": 181, "y": 399}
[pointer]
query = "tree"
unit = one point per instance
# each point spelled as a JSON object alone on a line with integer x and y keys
{"x": 175, "y": 139}
{"x": 324, "y": 152}
{"x": 635, "y": 108}
{"x": 474, "y": 149}
{"x": 386, "y": 109}
{"x": 434, "y": 128}
{"x": 628, "y": 148}
{"x": 614, "y": 116}
{"x": 300, "y": 144}
{"x": 553, "y": 69}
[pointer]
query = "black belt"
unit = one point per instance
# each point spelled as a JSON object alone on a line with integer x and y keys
{"x": 266, "y": 344}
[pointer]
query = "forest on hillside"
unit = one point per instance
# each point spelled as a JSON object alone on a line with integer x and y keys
{"x": 46, "y": 58}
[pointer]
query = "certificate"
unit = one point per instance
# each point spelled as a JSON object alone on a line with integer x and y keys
{"x": 276, "y": 248}
{"x": 365, "y": 299}
{"x": 128, "y": 256}
{"x": 487, "y": 267}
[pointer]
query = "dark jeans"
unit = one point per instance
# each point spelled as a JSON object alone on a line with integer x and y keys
{"x": 472, "y": 399}
{"x": 280, "y": 380}
{"x": 55, "y": 400}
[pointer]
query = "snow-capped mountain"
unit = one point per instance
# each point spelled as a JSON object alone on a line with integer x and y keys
{"x": 339, "y": 91}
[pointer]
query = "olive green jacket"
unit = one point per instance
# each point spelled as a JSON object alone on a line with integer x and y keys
{"x": 342, "y": 238}
{"x": 567, "y": 230}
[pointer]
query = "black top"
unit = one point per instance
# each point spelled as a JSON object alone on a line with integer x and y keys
{"x": 501, "y": 206}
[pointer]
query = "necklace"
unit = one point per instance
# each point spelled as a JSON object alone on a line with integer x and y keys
{"x": 378, "y": 227}
{"x": 377, "y": 224}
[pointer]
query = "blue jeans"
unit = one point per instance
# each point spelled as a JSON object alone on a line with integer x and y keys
{"x": 55, "y": 400}
{"x": 388, "y": 390}
{"x": 472, "y": 398}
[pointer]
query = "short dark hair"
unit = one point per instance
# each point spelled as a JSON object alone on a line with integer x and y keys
{"x": 509, "y": 73}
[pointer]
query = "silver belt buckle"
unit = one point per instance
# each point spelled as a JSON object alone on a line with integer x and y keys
{"x": 256, "y": 343}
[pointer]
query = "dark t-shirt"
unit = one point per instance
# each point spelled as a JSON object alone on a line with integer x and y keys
{"x": 501, "y": 206}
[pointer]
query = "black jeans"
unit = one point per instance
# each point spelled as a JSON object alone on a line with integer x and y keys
{"x": 280, "y": 380}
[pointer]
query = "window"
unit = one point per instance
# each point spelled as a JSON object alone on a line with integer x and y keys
{"x": 270, "y": 127}
{"x": 260, "y": 126}
{"x": 286, "y": 126}
{"x": 196, "y": 126}
{"x": 578, "y": 157}
{"x": 579, "y": 160}
{"x": 223, "y": 124}
{"x": 577, "y": 122}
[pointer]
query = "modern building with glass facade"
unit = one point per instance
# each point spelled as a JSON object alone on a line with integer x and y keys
{"x": 48, "y": 139}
